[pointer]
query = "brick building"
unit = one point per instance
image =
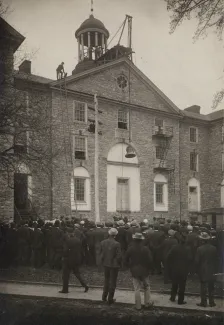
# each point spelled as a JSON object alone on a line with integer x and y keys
{"x": 178, "y": 168}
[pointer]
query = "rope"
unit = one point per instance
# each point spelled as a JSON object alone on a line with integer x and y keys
{"x": 116, "y": 32}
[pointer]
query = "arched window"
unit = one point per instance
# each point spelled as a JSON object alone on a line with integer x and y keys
{"x": 222, "y": 194}
{"x": 194, "y": 195}
{"x": 160, "y": 193}
{"x": 123, "y": 181}
{"x": 80, "y": 190}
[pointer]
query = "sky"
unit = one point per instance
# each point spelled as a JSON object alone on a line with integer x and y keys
{"x": 189, "y": 73}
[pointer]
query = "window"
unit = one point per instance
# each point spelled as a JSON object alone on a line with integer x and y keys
{"x": 158, "y": 122}
{"x": 159, "y": 193}
{"x": 122, "y": 82}
{"x": 159, "y": 152}
{"x": 79, "y": 111}
{"x": 193, "y": 161}
{"x": 20, "y": 142}
{"x": 122, "y": 194}
{"x": 79, "y": 189}
{"x": 80, "y": 147}
{"x": 122, "y": 119}
{"x": 193, "y": 135}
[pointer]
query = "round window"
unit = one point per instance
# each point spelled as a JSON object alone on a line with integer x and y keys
{"x": 122, "y": 82}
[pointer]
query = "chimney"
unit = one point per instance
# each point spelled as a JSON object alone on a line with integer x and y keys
{"x": 194, "y": 109}
{"x": 25, "y": 66}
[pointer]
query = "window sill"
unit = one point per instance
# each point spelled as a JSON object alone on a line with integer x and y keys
{"x": 161, "y": 208}
{"x": 80, "y": 122}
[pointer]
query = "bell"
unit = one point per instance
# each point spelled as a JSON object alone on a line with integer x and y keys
{"x": 130, "y": 152}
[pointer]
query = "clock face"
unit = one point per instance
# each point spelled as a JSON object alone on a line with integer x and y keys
{"x": 122, "y": 82}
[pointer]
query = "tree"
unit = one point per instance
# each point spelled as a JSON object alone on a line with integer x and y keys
{"x": 210, "y": 16}
{"x": 26, "y": 125}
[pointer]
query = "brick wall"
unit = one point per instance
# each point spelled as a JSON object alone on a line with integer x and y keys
{"x": 142, "y": 125}
{"x": 202, "y": 149}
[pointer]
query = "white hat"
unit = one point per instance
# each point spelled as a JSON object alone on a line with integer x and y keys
{"x": 189, "y": 227}
{"x": 82, "y": 222}
{"x": 145, "y": 221}
{"x": 113, "y": 232}
{"x": 138, "y": 235}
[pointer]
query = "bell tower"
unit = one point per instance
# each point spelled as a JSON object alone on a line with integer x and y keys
{"x": 92, "y": 39}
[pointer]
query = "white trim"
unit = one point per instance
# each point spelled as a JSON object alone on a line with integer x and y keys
{"x": 193, "y": 127}
{"x": 82, "y": 173}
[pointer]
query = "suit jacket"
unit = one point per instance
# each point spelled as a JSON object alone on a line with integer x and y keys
{"x": 37, "y": 239}
{"x": 167, "y": 245}
{"x": 72, "y": 249}
{"x": 121, "y": 238}
{"x": 110, "y": 252}
{"x": 56, "y": 238}
{"x": 139, "y": 259}
{"x": 156, "y": 239}
{"x": 178, "y": 261}
{"x": 206, "y": 261}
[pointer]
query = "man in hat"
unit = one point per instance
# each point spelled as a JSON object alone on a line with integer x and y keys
{"x": 99, "y": 236}
{"x": 206, "y": 264}
{"x": 110, "y": 252}
{"x": 121, "y": 238}
{"x": 192, "y": 242}
{"x": 178, "y": 261}
{"x": 167, "y": 245}
{"x": 139, "y": 259}
{"x": 72, "y": 260}
{"x": 56, "y": 238}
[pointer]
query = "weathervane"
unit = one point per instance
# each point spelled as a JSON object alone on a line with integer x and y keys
{"x": 91, "y": 6}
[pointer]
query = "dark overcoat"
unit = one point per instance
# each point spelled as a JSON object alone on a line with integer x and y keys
{"x": 206, "y": 260}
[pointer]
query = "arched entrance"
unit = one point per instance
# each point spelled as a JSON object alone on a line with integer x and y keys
{"x": 123, "y": 181}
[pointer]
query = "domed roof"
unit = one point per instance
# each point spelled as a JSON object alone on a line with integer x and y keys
{"x": 92, "y": 23}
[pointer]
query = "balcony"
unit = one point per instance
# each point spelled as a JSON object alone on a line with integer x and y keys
{"x": 162, "y": 131}
{"x": 160, "y": 165}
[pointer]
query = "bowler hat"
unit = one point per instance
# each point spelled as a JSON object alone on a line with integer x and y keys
{"x": 138, "y": 235}
{"x": 113, "y": 232}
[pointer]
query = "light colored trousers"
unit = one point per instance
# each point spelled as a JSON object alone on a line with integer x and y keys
{"x": 138, "y": 283}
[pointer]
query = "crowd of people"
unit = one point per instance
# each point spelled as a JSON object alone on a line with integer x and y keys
{"x": 170, "y": 247}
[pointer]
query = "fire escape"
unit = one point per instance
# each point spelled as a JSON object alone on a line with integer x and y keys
{"x": 163, "y": 137}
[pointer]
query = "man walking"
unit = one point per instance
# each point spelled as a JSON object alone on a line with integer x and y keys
{"x": 206, "y": 261}
{"x": 139, "y": 259}
{"x": 178, "y": 261}
{"x": 72, "y": 257}
{"x": 110, "y": 252}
